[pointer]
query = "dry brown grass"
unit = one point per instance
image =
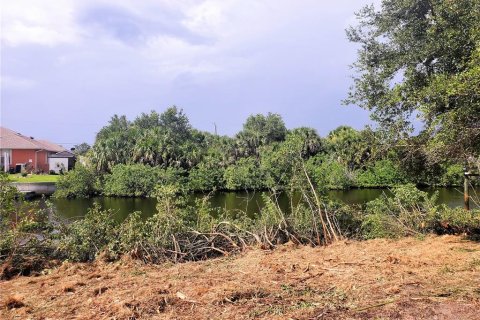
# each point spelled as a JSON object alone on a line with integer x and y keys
{"x": 14, "y": 302}
{"x": 438, "y": 277}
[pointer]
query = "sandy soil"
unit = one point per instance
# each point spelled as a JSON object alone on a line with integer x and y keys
{"x": 433, "y": 278}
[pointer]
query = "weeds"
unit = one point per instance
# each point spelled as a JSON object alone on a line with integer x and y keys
{"x": 409, "y": 212}
{"x": 32, "y": 237}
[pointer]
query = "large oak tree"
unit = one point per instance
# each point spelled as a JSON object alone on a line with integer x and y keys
{"x": 422, "y": 58}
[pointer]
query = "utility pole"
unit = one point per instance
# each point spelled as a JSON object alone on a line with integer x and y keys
{"x": 466, "y": 196}
{"x": 467, "y": 173}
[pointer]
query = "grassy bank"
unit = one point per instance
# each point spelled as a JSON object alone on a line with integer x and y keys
{"x": 33, "y": 178}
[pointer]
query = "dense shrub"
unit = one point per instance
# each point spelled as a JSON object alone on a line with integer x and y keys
{"x": 26, "y": 233}
{"x": 458, "y": 220}
{"x": 330, "y": 174}
{"x": 134, "y": 180}
{"x": 83, "y": 239}
{"x": 138, "y": 180}
{"x": 452, "y": 175}
{"x": 383, "y": 173}
{"x": 82, "y": 182}
{"x": 206, "y": 176}
{"x": 245, "y": 174}
{"x": 408, "y": 211}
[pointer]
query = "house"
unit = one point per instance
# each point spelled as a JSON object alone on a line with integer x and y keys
{"x": 61, "y": 162}
{"x": 19, "y": 153}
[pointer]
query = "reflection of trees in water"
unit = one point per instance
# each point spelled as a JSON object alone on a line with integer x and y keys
{"x": 245, "y": 202}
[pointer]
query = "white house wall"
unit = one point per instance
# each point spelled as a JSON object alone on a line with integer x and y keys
{"x": 56, "y": 164}
{"x": 6, "y": 155}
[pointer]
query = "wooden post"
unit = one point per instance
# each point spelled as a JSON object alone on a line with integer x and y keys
{"x": 466, "y": 196}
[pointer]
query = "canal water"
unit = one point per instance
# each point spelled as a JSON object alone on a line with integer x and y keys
{"x": 248, "y": 202}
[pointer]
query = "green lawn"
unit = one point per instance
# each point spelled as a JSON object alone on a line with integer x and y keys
{"x": 33, "y": 178}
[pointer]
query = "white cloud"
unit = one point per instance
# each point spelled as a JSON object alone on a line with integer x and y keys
{"x": 119, "y": 56}
{"x": 46, "y": 22}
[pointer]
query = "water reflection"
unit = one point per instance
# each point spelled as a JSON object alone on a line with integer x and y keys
{"x": 245, "y": 202}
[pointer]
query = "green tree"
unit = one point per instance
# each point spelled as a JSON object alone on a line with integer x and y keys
{"x": 282, "y": 162}
{"x": 147, "y": 121}
{"x": 245, "y": 175}
{"x": 310, "y": 141}
{"x": 346, "y": 146}
{"x": 422, "y": 57}
{"x": 81, "y": 149}
{"x": 383, "y": 173}
{"x": 206, "y": 176}
{"x": 260, "y": 130}
{"x": 113, "y": 144}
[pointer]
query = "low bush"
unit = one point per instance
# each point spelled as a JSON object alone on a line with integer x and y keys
{"x": 452, "y": 175}
{"x": 206, "y": 176}
{"x": 138, "y": 180}
{"x": 83, "y": 239}
{"x": 330, "y": 173}
{"x": 26, "y": 233}
{"x": 457, "y": 221}
{"x": 383, "y": 173}
{"x": 82, "y": 182}
{"x": 245, "y": 174}
{"x": 408, "y": 211}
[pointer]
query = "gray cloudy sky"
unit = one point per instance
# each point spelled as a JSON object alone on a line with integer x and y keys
{"x": 67, "y": 66}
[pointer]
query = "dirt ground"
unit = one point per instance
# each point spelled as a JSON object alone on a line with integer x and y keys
{"x": 431, "y": 278}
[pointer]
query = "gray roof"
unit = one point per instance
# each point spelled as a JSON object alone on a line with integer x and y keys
{"x": 63, "y": 154}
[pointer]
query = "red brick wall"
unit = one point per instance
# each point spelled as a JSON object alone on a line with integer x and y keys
{"x": 23, "y": 156}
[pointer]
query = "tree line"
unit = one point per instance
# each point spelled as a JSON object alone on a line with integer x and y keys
{"x": 129, "y": 158}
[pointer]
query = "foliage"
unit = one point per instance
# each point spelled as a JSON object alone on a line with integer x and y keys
{"x": 458, "y": 221}
{"x": 132, "y": 157}
{"x": 452, "y": 175}
{"x": 308, "y": 139}
{"x": 83, "y": 239}
{"x": 8, "y": 194}
{"x": 136, "y": 180}
{"x": 154, "y": 139}
{"x": 113, "y": 144}
{"x": 206, "y": 176}
{"x": 130, "y": 180}
{"x": 245, "y": 174}
{"x": 383, "y": 173}
{"x": 81, "y": 149}
{"x": 422, "y": 57}
{"x": 345, "y": 145}
{"x": 26, "y": 229}
{"x": 82, "y": 182}
{"x": 330, "y": 174}
{"x": 260, "y": 130}
{"x": 408, "y": 211}
{"x": 131, "y": 234}
{"x": 170, "y": 219}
